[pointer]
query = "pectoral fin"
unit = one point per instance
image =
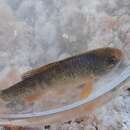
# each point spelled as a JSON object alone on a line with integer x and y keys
{"x": 87, "y": 89}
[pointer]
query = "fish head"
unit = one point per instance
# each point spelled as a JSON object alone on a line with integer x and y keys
{"x": 107, "y": 58}
{"x": 113, "y": 56}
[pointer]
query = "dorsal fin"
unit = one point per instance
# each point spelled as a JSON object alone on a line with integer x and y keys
{"x": 37, "y": 70}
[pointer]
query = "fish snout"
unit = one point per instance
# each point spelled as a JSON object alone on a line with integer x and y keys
{"x": 114, "y": 57}
{"x": 118, "y": 54}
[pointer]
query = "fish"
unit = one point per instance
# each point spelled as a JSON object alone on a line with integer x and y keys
{"x": 87, "y": 89}
{"x": 115, "y": 88}
{"x": 72, "y": 71}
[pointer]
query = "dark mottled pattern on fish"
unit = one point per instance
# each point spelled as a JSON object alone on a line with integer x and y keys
{"x": 93, "y": 62}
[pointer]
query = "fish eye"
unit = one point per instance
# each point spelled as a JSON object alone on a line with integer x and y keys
{"x": 111, "y": 60}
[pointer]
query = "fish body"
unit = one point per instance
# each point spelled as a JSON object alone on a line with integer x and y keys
{"x": 69, "y": 72}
